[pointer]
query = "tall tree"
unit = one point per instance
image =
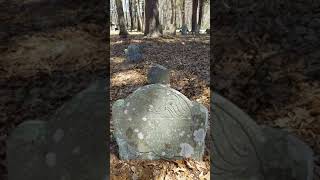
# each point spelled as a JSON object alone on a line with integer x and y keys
{"x": 131, "y": 15}
{"x": 152, "y": 24}
{"x": 121, "y": 20}
{"x": 183, "y": 12}
{"x": 173, "y": 21}
{"x": 139, "y": 15}
{"x": 194, "y": 15}
{"x": 201, "y": 4}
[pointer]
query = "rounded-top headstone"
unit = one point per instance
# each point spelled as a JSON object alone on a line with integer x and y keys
{"x": 156, "y": 122}
{"x": 133, "y": 53}
{"x": 184, "y": 29}
{"x": 159, "y": 75}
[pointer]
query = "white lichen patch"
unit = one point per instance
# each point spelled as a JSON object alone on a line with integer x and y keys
{"x": 144, "y": 119}
{"x": 136, "y": 130}
{"x": 203, "y": 110}
{"x": 140, "y": 135}
{"x": 186, "y": 150}
{"x": 199, "y": 135}
{"x": 51, "y": 159}
{"x": 129, "y": 119}
{"x": 58, "y": 135}
{"x": 181, "y": 133}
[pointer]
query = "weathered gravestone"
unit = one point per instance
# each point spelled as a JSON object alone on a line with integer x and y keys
{"x": 156, "y": 122}
{"x": 184, "y": 29}
{"x": 70, "y": 146}
{"x": 133, "y": 53}
{"x": 158, "y": 74}
{"x": 242, "y": 150}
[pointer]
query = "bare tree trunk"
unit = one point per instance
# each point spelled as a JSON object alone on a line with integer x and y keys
{"x": 121, "y": 20}
{"x": 131, "y": 15}
{"x": 201, "y": 4}
{"x": 140, "y": 28}
{"x": 183, "y": 13}
{"x": 152, "y": 24}
{"x": 194, "y": 15}
{"x": 172, "y": 12}
{"x": 173, "y": 17}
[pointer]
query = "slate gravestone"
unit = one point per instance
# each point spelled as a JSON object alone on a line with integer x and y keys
{"x": 71, "y": 145}
{"x": 158, "y": 74}
{"x": 156, "y": 122}
{"x": 184, "y": 29}
{"x": 133, "y": 53}
{"x": 242, "y": 150}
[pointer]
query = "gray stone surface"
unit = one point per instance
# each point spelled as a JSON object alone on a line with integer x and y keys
{"x": 157, "y": 122}
{"x": 71, "y": 145}
{"x": 158, "y": 74}
{"x": 242, "y": 150}
{"x": 134, "y": 53}
{"x": 184, "y": 29}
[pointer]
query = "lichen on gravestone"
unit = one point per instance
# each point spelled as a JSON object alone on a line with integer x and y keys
{"x": 243, "y": 150}
{"x": 71, "y": 145}
{"x": 133, "y": 53}
{"x": 156, "y": 122}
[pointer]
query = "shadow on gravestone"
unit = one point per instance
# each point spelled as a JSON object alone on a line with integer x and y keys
{"x": 242, "y": 150}
{"x": 71, "y": 145}
{"x": 158, "y": 122}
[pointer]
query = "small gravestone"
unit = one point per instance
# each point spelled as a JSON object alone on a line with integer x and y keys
{"x": 243, "y": 150}
{"x": 133, "y": 53}
{"x": 197, "y": 29}
{"x": 71, "y": 145}
{"x": 184, "y": 29}
{"x": 158, "y": 74}
{"x": 208, "y": 31}
{"x": 156, "y": 122}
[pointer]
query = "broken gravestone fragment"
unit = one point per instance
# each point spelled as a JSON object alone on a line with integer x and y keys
{"x": 158, "y": 74}
{"x": 71, "y": 145}
{"x": 243, "y": 150}
{"x": 156, "y": 122}
{"x": 133, "y": 53}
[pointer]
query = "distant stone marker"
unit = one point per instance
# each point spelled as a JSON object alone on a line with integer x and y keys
{"x": 208, "y": 31}
{"x": 157, "y": 122}
{"x": 184, "y": 29}
{"x": 71, "y": 145}
{"x": 133, "y": 53}
{"x": 243, "y": 150}
{"x": 158, "y": 74}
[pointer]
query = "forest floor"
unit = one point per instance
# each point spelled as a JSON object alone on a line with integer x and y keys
{"x": 187, "y": 57}
{"x": 42, "y": 69}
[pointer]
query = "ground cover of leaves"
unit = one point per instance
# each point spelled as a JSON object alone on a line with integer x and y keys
{"x": 188, "y": 59}
{"x": 271, "y": 84}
